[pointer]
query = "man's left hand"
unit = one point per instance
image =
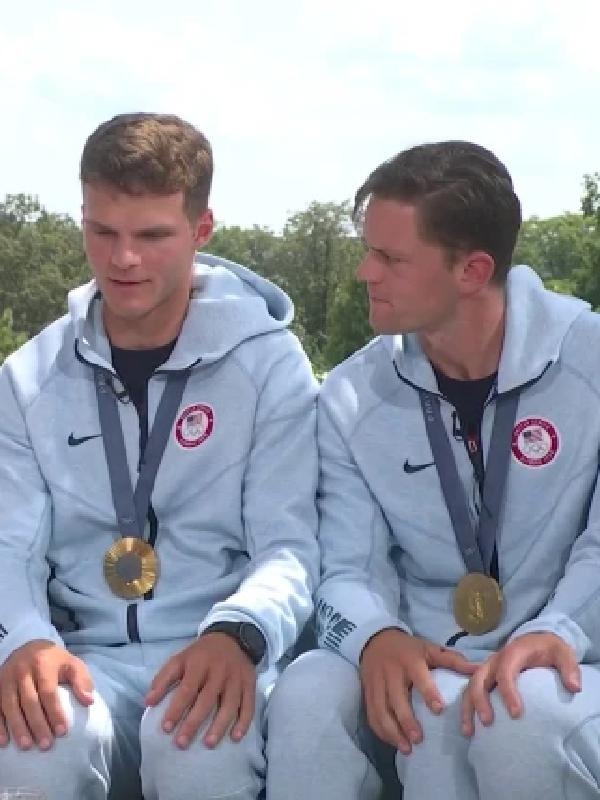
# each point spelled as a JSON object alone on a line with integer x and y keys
{"x": 213, "y": 675}
{"x": 503, "y": 668}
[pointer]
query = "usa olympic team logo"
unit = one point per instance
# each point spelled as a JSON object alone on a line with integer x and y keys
{"x": 535, "y": 442}
{"x": 194, "y": 425}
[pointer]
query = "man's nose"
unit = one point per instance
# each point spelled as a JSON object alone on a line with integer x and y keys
{"x": 124, "y": 255}
{"x": 369, "y": 270}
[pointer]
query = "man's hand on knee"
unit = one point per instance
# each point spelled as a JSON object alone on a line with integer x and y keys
{"x": 392, "y": 663}
{"x": 30, "y": 708}
{"x": 503, "y": 668}
{"x": 212, "y": 675}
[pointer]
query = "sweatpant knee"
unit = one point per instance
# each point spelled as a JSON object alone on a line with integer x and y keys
{"x": 318, "y": 688}
{"x": 315, "y": 732}
{"x": 436, "y": 765}
{"x": 77, "y": 764}
{"x": 535, "y": 745}
{"x": 229, "y": 770}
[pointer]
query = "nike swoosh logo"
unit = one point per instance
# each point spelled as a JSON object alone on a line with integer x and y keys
{"x": 410, "y": 469}
{"x": 73, "y": 441}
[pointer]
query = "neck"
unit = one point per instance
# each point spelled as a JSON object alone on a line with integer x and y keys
{"x": 469, "y": 346}
{"x": 144, "y": 333}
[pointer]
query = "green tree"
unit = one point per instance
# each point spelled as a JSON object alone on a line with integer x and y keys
{"x": 556, "y": 247}
{"x": 314, "y": 262}
{"x": 586, "y": 279}
{"x": 318, "y": 253}
{"x": 41, "y": 258}
{"x": 348, "y": 329}
{"x": 256, "y": 248}
{"x": 590, "y": 200}
{"x": 9, "y": 339}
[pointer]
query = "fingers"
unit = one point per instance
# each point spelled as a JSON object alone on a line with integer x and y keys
{"x": 13, "y": 716}
{"x": 165, "y": 679}
{"x": 568, "y": 668}
{"x": 30, "y": 707}
{"x": 81, "y": 682}
{"x": 47, "y": 688}
{"x": 227, "y": 713}
{"x": 234, "y": 703}
{"x": 511, "y": 666}
{"x": 246, "y": 712}
{"x": 450, "y": 659}
{"x": 184, "y": 698}
{"x": 398, "y": 700}
{"x": 423, "y": 681}
{"x": 4, "y": 739}
{"x": 476, "y": 699}
{"x": 467, "y": 714}
{"x": 33, "y": 714}
{"x": 381, "y": 718}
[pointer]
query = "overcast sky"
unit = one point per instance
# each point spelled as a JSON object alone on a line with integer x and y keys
{"x": 302, "y": 100}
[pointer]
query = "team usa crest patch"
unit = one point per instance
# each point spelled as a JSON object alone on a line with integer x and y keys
{"x": 194, "y": 425}
{"x": 535, "y": 442}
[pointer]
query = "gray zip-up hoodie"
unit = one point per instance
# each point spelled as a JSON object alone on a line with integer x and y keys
{"x": 389, "y": 551}
{"x": 234, "y": 495}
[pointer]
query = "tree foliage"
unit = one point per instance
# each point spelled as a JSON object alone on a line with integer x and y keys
{"x": 314, "y": 260}
{"x": 586, "y": 279}
{"x": 9, "y": 339}
{"x": 557, "y": 247}
{"x": 41, "y": 258}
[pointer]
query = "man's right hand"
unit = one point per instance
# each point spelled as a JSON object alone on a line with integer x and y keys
{"x": 392, "y": 663}
{"x": 30, "y": 709}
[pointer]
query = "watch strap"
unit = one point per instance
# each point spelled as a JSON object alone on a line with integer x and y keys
{"x": 247, "y": 635}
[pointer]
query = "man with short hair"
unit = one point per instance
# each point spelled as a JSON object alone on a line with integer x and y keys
{"x": 157, "y": 473}
{"x": 460, "y": 520}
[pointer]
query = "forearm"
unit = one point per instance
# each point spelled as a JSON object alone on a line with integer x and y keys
{"x": 24, "y": 614}
{"x": 573, "y": 610}
{"x": 276, "y": 596}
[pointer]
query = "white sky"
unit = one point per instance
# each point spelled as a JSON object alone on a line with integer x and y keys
{"x": 302, "y": 100}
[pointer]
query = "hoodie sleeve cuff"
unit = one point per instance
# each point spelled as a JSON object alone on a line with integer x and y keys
{"x": 560, "y": 625}
{"x": 33, "y": 631}
{"x": 352, "y": 645}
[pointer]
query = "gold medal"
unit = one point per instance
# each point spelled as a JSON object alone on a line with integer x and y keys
{"x": 131, "y": 567}
{"x": 478, "y": 603}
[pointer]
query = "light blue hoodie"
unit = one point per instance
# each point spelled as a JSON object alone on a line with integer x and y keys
{"x": 389, "y": 550}
{"x": 234, "y": 496}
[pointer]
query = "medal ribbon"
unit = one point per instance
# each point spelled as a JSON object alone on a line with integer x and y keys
{"x": 476, "y": 546}
{"x": 131, "y": 506}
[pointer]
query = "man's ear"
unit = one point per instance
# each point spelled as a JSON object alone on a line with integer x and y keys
{"x": 203, "y": 228}
{"x": 477, "y": 271}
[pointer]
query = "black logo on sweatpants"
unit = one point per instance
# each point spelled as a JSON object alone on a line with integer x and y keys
{"x": 3, "y": 632}
{"x": 410, "y": 469}
{"x": 73, "y": 441}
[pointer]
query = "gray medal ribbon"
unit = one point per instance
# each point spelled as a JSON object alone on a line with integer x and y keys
{"x": 476, "y": 546}
{"x": 131, "y": 506}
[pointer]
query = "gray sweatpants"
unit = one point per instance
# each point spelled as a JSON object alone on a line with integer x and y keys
{"x": 552, "y": 752}
{"x": 116, "y": 749}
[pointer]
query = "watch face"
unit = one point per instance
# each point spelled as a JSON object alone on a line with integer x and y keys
{"x": 253, "y": 639}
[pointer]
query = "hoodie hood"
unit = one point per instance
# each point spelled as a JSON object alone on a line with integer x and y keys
{"x": 533, "y": 314}
{"x": 228, "y": 305}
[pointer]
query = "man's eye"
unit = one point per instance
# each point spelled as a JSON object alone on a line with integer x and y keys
{"x": 384, "y": 258}
{"x": 155, "y": 234}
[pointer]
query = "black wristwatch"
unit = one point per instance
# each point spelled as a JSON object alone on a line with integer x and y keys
{"x": 247, "y": 635}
